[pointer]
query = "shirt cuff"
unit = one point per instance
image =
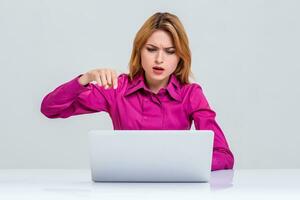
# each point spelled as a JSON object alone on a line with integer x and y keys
{"x": 75, "y": 87}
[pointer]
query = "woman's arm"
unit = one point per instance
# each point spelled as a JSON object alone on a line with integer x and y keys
{"x": 72, "y": 98}
{"x": 204, "y": 119}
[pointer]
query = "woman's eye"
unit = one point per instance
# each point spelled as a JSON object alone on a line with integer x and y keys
{"x": 150, "y": 50}
{"x": 167, "y": 51}
{"x": 170, "y": 52}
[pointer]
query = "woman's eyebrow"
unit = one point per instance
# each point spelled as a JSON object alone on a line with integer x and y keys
{"x": 164, "y": 48}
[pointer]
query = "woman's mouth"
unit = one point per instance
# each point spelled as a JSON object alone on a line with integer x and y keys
{"x": 158, "y": 70}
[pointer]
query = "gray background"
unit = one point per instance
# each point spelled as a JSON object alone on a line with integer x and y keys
{"x": 245, "y": 56}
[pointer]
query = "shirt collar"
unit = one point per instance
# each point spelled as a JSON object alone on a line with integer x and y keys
{"x": 138, "y": 82}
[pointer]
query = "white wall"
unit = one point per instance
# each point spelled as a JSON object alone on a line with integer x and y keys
{"x": 245, "y": 56}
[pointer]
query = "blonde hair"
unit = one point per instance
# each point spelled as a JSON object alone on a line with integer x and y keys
{"x": 171, "y": 24}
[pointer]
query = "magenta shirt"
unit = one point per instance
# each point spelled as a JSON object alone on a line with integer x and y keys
{"x": 133, "y": 106}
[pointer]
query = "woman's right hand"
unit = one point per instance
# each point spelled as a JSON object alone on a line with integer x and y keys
{"x": 104, "y": 77}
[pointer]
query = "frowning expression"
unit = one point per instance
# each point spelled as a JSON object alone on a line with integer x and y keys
{"x": 158, "y": 56}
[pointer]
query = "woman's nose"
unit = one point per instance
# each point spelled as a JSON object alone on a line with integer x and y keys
{"x": 159, "y": 57}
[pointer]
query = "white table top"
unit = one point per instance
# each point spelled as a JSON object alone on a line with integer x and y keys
{"x": 76, "y": 184}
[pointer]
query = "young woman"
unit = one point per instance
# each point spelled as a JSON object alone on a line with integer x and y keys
{"x": 156, "y": 94}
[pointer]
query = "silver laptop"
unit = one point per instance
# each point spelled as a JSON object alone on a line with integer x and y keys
{"x": 151, "y": 155}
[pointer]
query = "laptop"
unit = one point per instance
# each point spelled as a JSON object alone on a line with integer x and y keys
{"x": 150, "y": 155}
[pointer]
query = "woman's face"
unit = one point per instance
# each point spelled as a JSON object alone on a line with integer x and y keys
{"x": 158, "y": 57}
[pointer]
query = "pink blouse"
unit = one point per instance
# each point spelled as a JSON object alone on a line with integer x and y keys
{"x": 132, "y": 105}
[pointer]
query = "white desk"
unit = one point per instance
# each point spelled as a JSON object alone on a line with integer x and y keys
{"x": 76, "y": 184}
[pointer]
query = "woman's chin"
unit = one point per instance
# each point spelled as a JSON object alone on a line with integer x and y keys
{"x": 158, "y": 77}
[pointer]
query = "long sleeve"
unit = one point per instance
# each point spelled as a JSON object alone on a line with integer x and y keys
{"x": 204, "y": 119}
{"x": 71, "y": 98}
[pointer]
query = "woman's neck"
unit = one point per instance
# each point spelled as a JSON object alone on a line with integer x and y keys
{"x": 155, "y": 85}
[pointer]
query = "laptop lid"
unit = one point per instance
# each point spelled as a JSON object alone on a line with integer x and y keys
{"x": 151, "y": 155}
